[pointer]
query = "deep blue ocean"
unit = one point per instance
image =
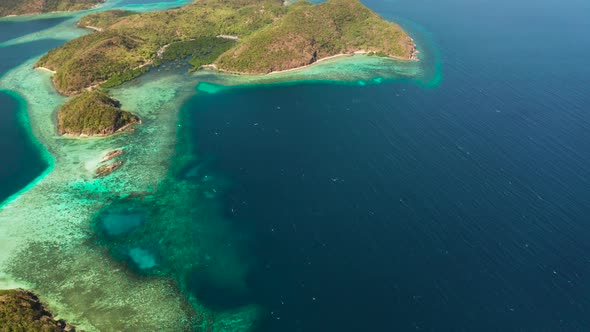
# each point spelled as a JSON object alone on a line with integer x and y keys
{"x": 394, "y": 207}
{"x": 21, "y": 161}
{"x": 462, "y": 207}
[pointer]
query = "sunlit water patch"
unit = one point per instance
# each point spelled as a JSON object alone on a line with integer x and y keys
{"x": 10, "y": 29}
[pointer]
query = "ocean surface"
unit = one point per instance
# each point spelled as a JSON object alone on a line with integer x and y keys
{"x": 394, "y": 207}
{"x": 461, "y": 204}
{"x": 21, "y": 162}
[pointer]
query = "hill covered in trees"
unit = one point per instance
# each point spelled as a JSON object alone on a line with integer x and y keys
{"x": 238, "y": 36}
{"x": 93, "y": 114}
{"x": 23, "y": 7}
{"x": 241, "y": 36}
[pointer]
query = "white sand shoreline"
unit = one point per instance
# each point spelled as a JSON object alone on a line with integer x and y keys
{"x": 90, "y": 27}
{"x": 331, "y": 57}
{"x": 46, "y": 69}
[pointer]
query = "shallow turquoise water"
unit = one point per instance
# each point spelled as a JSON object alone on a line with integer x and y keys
{"x": 141, "y": 2}
{"x": 26, "y": 166}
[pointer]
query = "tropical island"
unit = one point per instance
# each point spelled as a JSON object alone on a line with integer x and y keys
{"x": 93, "y": 113}
{"x": 240, "y": 36}
{"x": 25, "y": 7}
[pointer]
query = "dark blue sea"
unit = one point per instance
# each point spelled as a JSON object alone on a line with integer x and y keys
{"x": 21, "y": 160}
{"x": 395, "y": 207}
{"x": 463, "y": 206}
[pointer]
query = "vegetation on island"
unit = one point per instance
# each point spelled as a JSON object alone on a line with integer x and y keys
{"x": 104, "y": 19}
{"x": 201, "y": 51}
{"x": 309, "y": 33}
{"x": 93, "y": 59}
{"x": 139, "y": 40}
{"x": 22, "y": 311}
{"x": 23, "y": 7}
{"x": 243, "y": 36}
{"x": 125, "y": 76}
{"x": 93, "y": 113}
{"x": 239, "y": 36}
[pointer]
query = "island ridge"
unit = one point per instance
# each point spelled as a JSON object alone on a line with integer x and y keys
{"x": 266, "y": 36}
{"x": 24, "y": 7}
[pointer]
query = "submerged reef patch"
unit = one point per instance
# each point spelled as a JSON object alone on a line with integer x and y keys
{"x": 114, "y": 223}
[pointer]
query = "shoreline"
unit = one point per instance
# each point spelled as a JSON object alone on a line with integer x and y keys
{"x": 413, "y": 58}
{"x": 331, "y": 57}
{"x": 46, "y": 69}
{"x": 124, "y": 129}
{"x": 90, "y": 27}
{"x": 71, "y": 177}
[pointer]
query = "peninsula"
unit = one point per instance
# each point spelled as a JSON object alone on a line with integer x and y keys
{"x": 268, "y": 37}
{"x": 240, "y": 36}
{"x": 24, "y": 7}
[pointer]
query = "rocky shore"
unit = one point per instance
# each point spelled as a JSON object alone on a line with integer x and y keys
{"x": 414, "y": 52}
{"x": 21, "y": 310}
{"x": 111, "y": 155}
{"x": 108, "y": 169}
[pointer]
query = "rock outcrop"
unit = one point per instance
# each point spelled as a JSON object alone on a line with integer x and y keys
{"x": 111, "y": 155}
{"x": 93, "y": 113}
{"x": 108, "y": 169}
{"x": 21, "y": 310}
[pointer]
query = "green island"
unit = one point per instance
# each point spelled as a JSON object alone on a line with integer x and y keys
{"x": 239, "y": 36}
{"x": 235, "y": 36}
{"x": 21, "y": 310}
{"x": 93, "y": 113}
{"x": 24, "y": 7}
